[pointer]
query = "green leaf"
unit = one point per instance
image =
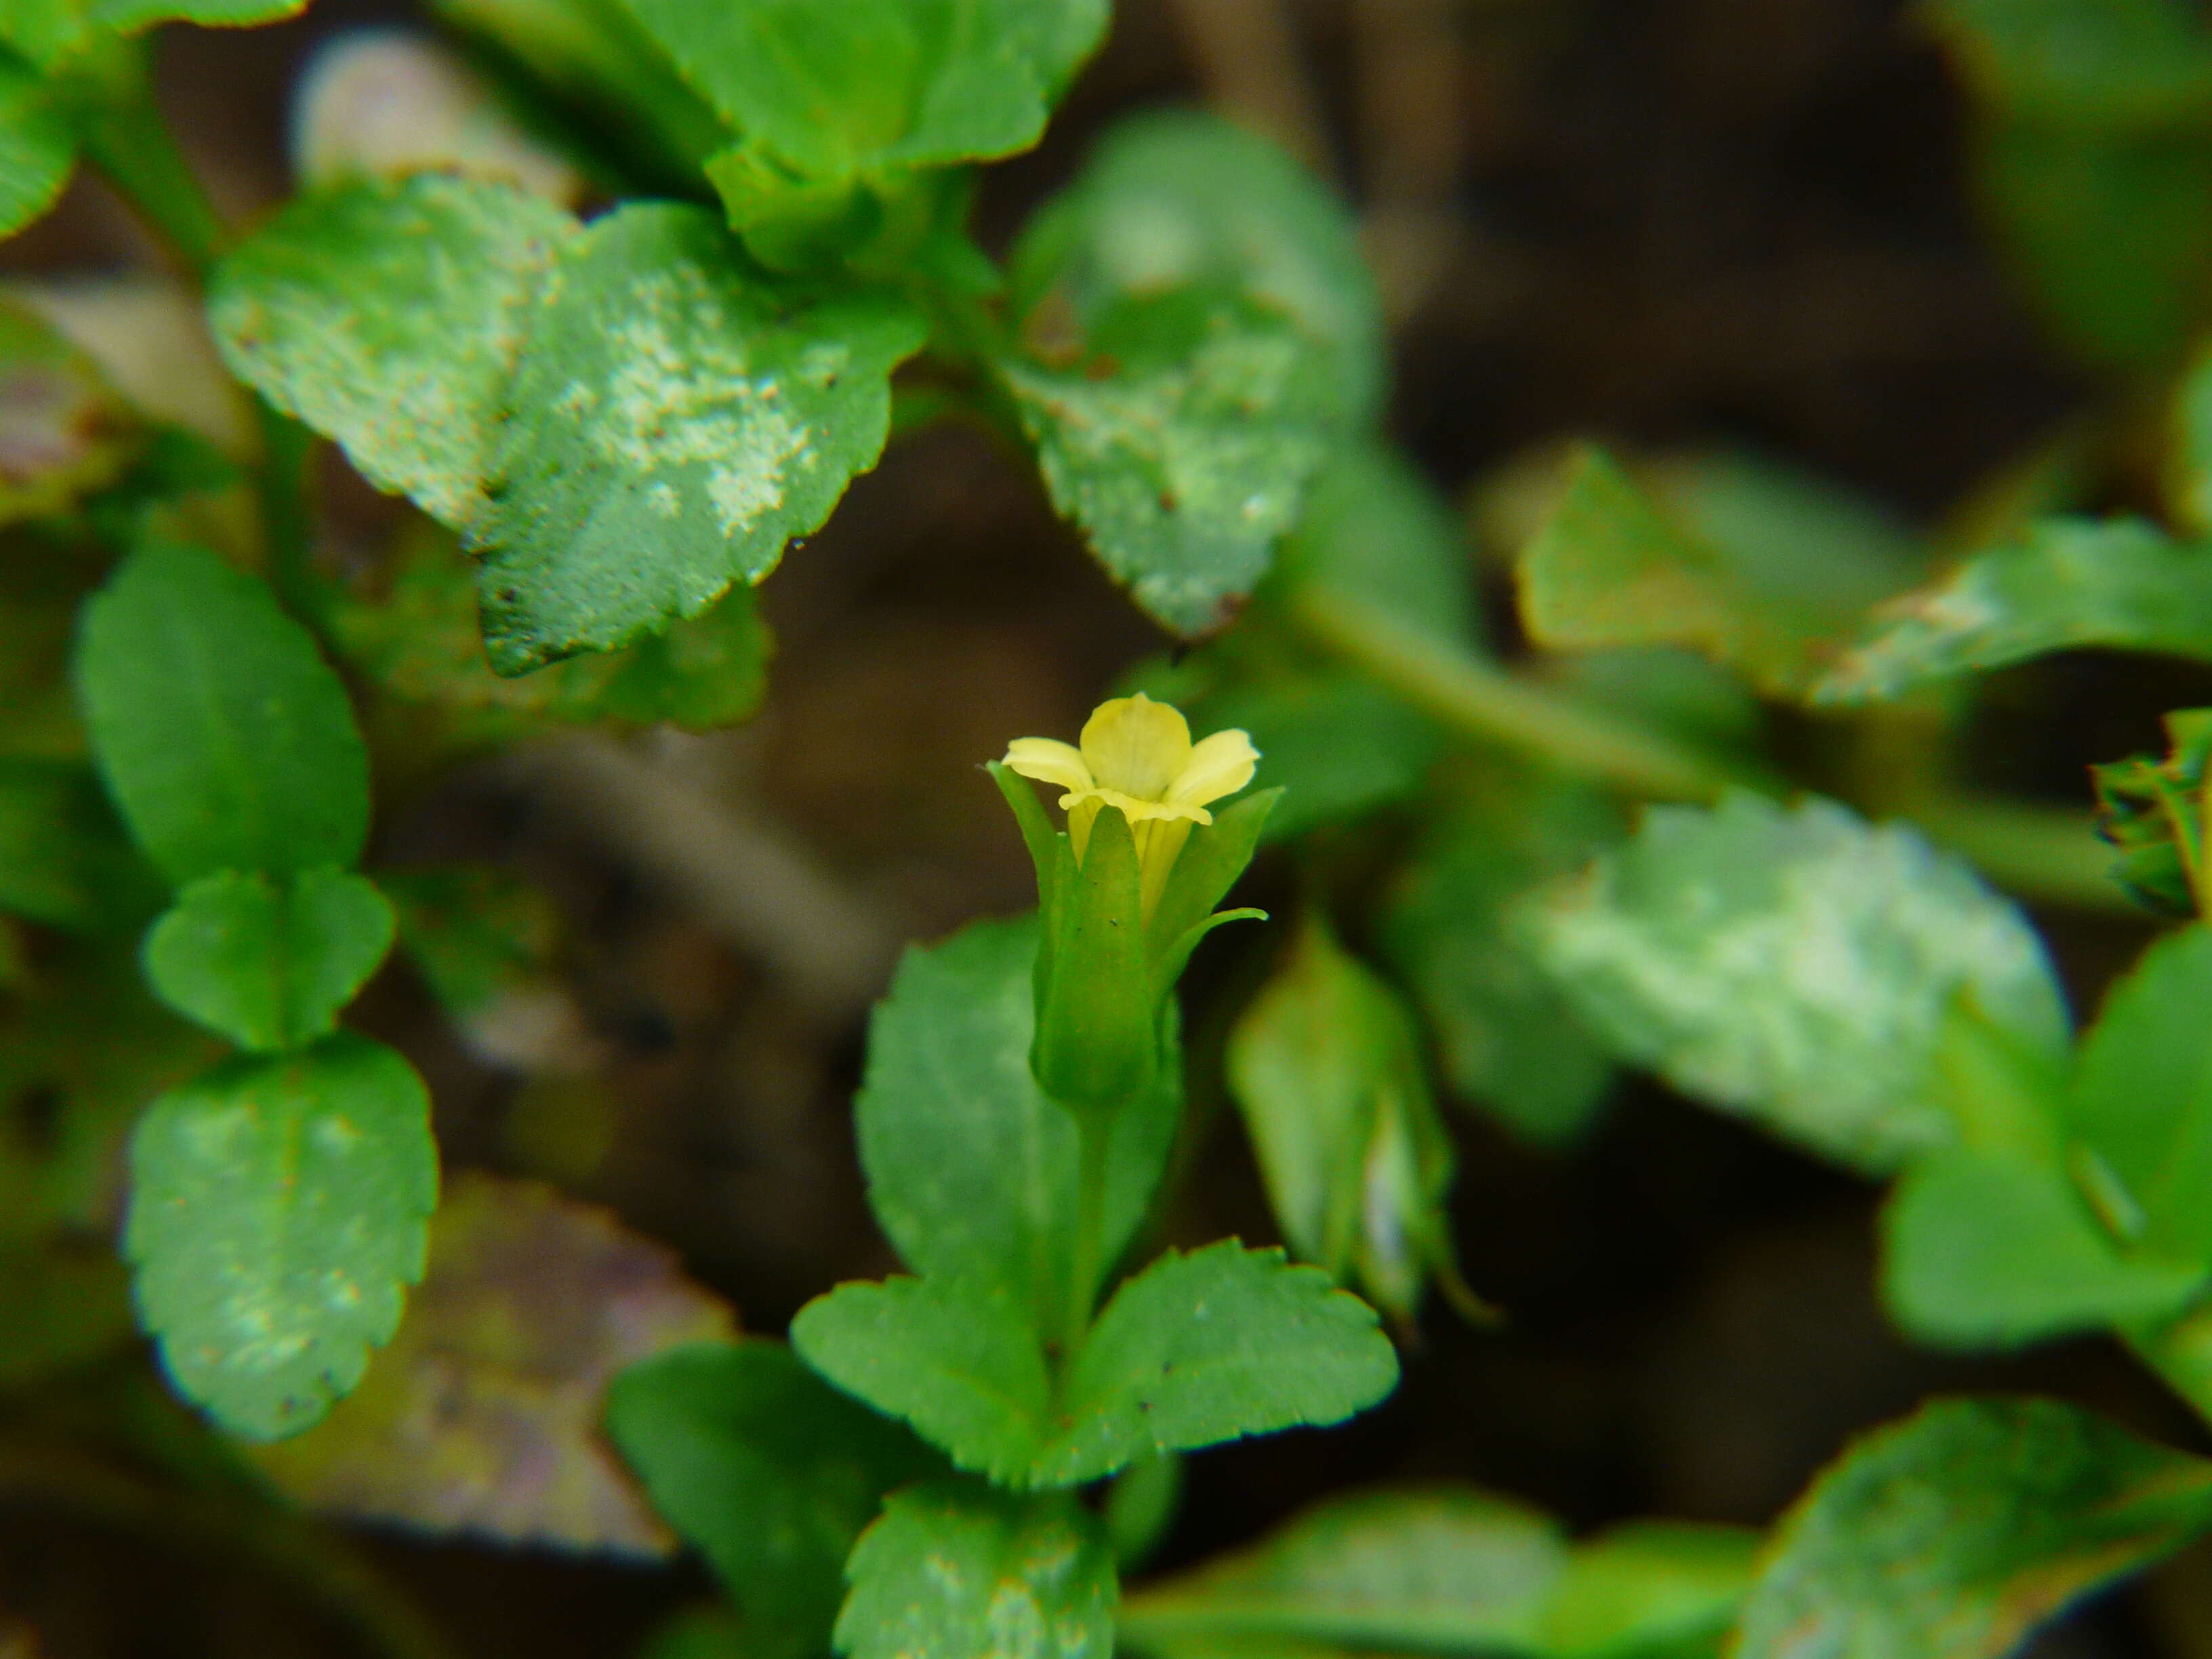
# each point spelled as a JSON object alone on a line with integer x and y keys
{"x": 482, "y": 1416}
{"x": 698, "y": 673}
{"x": 38, "y": 146}
{"x": 40, "y": 31}
{"x": 1777, "y": 569}
{"x": 957, "y": 1571}
{"x": 418, "y": 639}
{"x": 876, "y": 84}
{"x": 1505, "y": 1038}
{"x": 2059, "y": 194}
{"x": 223, "y": 735}
{"x": 1796, "y": 966}
{"x": 389, "y": 315}
{"x": 1953, "y": 1535}
{"x": 1450, "y": 1569}
{"x": 48, "y": 32}
{"x": 605, "y": 76}
{"x": 971, "y": 1167}
{"x": 771, "y": 1472}
{"x": 1986, "y": 1252}
{"x": 2121, "y": 62}
{"x": 2095, "y": 131}
{"x": 64, "y": 858}
{"x": 1198, "y": 333}
{"x": 959, "y": 1361}
{"x": 1195, "y": 1350}
{"x": 1446, "y": 1569}
{"x": 1374, "y": 525}
{"x": 677, "y": 417}
{"x": 2074, "y": 582}
{"x": 1327, "y": 1069}
{"x": 278, "y": 1212}
{"x": 267, "y": 962}
{"x": 1816, "y": 545}
{"x": 2141, "y": 1104}
{"x": 1211, "y": 862}
{"x": 1211, "y": 1347}
{"x": 1698, "y": 702}
{"x": 1337, "y": 745}
{"x": 1648, "y": 1588}
{"x": 68, "y": 432}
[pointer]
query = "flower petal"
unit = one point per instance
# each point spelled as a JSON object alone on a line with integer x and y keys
{"x": 1082, "y": 813}
{"x": 1156, "y": 860}
{"x": 1138, "y": 811}
{"x": 1048, "y": 761}
{"x": 1220, "y": 765}
{"x": 1136, "y": 746}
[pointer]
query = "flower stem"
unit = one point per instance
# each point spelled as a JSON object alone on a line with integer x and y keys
{"x": 1094, "y": 1132}
{"x": 1479, "y": 697}
{"x": 2041, "y": 852}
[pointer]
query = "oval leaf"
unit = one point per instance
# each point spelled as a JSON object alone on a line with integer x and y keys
{"x": 2141, "y": 1101}
{"x": 1796, "y": 966}
{"x": 388, "y": 315}
{"x": 1211, "y": 1347}
{"x": 2071, "y": 583}
{"x": 958, "y": 1571}
{"x": 1982, "y": 1252}
{"x": 1953, "y": 1534}
{"x": 764, "y": 1467}
{"x": 223, "y": 735}
{"x": 278, "y": 1209}
{"x": 961, "y": 1361}
{"x": 1197, "y": 332}
{"x": 483, "y": 1416}
{"x": 38, "y": 150}
{"x": 676, "y": 417}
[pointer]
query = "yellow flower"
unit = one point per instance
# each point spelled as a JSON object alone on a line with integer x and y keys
{"x": 1137, "y": 756}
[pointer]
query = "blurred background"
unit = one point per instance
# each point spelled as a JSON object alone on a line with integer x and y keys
{"x": 1661, "y": 222}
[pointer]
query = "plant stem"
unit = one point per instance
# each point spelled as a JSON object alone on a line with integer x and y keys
{"x": 968, "y": 341}
{"x": 2047, "y": 854}
{"x": 127, "y": 139}
{"x": 130, "y": 141}
{"x": 1094, "y": 1132}
{"x": 1481, "y": 699}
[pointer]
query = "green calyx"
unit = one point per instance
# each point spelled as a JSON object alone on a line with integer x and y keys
{"x": 1104, "y": 968}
